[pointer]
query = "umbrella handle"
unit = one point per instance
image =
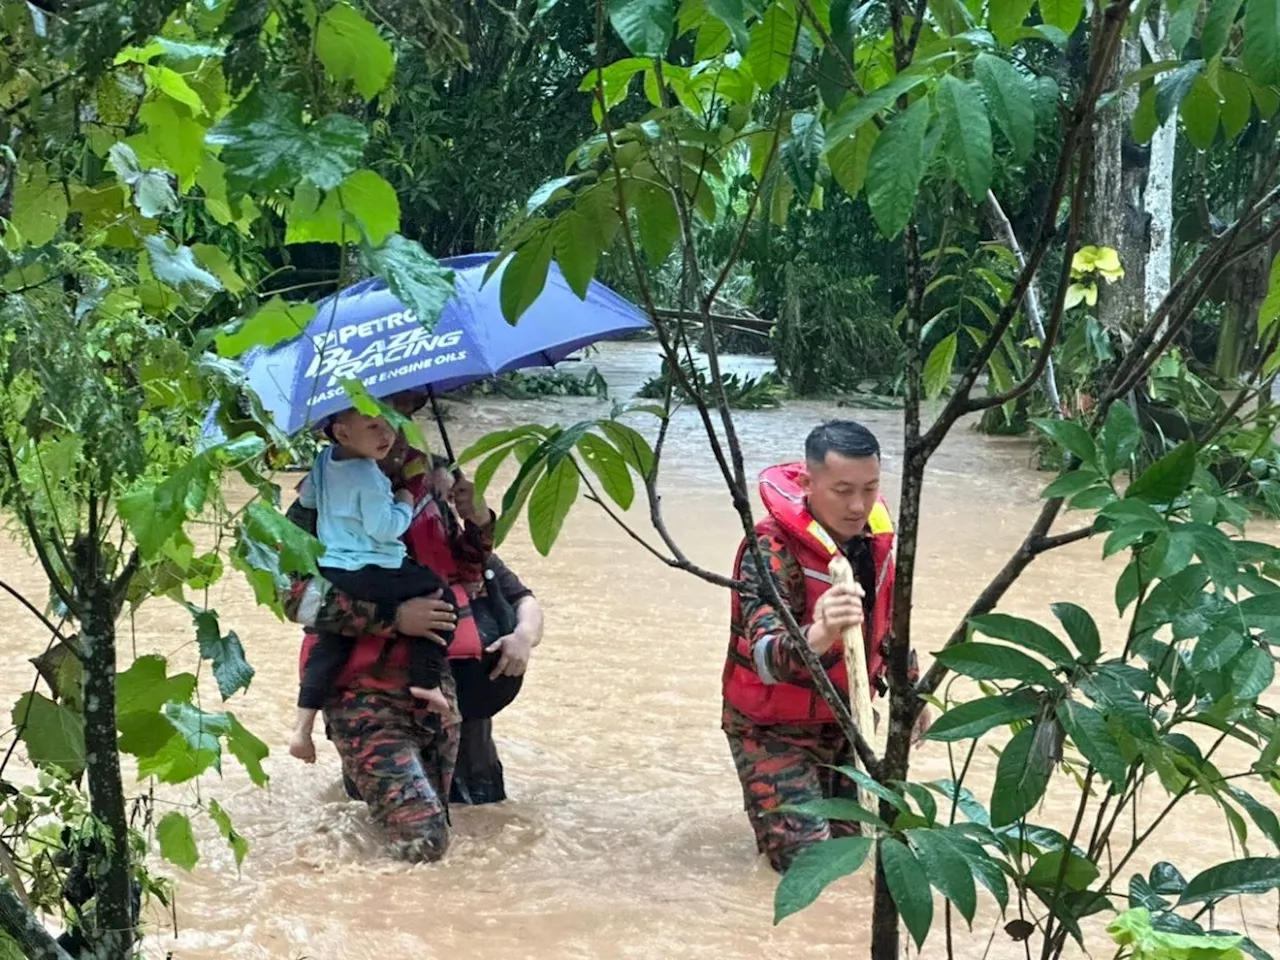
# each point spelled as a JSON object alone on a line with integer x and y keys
{"x": 444, "y": 434}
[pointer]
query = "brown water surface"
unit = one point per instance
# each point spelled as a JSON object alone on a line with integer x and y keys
{"x": 624, "y": 835}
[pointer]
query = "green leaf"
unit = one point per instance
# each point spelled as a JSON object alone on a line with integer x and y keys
{"x": 610, "y": 469}
{"x": 1246, "y": 877}
{"x": 1182, "y": 22}
{"x": 525, "y": 275}
{"x": 1119, "y": 437}
{"x": 801, "y": 152}
{"x": 145, "y": 688}
{"x": 177, "y": 842}
{"x": 867, "y": 783}
{"x": 909, "y": 886}
{"x": 267, "y": 148}
{"x": 1008, "y": 94}
{"x": 531, "y": 470}
{"x": 896, "y": 167}
{"x": 658, "y": 223}
{"x": 576, "y": 250}
{"x": 215, "y": 260}
{"x": 1088, "y": 730}
{"x": 1071, "y": 437}
{"x": 862, "y": 112}
{"x": 152, "y": 192}
{"x": 226, "y": 653}
{"x": 984, "y": 868}
{"x": 364, "y": 203}
{"x": 645, "y": 26}
{"x": 53, "y": 733}
{"x": 352, "y": 51}
{"x": 814, "y": 869}
{"x": 1237, "y": 103}
{"x": 1077, "y": 874}
{"x": 1252, "y": 673}
{"x": 550, "y": 502}
{"x": 39, "y": 205}
{"x": 177, "y": 266}
{"x": 947, "y": 869}
{"x": 248, "y": 749}
{"x": 1167, "y": 478}
{"x": 270, "y": 325}
{"x": 1071, "y": 483}
{"x": 993, "y": 661}
{"x": 1145, "y": 123}
{"x": 417, "y": 278}
{"x": 1217, "y": 26}
{"x": 849, "y": 158}
{"x": 1270, "y": 310}
{"x": 1024, "y": 633}
{"x": 832, "y": 808}
{"x": 1200, "y": 113}
{"x": 1173, "y": 87}
{"x": 1063, "y": 14}
{"x": 1008, "y": 18}
{"x": 730, "y": 13}
{"x": 1081, "y": 628}
{"x": 1021, "y": 777}
{"x": 634, "y": 448}
{"x": 770, "y": 41}
{"x": 971, "y": 720}
{"x": 967, "y": 136}
{"x": 937, "y": 368}
{"x": 298, "y": 550}
{"x": 1262, "y": 41}
{"x": 239, "y": 845}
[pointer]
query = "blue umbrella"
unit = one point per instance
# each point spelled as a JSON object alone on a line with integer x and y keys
{"x": 364, "y": 332}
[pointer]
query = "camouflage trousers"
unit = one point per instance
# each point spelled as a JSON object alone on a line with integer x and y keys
{"x": 400, "y": 759}
{"x": 785, "y": 765}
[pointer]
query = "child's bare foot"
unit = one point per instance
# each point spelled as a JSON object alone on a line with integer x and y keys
{"x": 302, "y": 747}
{"x": 436, "y": 703}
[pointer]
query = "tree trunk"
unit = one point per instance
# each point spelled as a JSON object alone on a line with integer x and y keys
{"x": 1116, "y": 216}
{"x": 113, "y": 928}
{"x": 25, "y": 928}
{"x": 1158, "y": 201}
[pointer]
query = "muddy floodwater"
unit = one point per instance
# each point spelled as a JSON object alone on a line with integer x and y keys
{"x": 623, "y": 835}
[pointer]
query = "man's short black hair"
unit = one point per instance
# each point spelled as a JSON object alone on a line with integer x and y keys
{"x": 845, "y": 438}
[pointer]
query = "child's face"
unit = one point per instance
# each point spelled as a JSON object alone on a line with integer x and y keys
{"x": 442, "y": 482}
{"x": 364, "y": 436}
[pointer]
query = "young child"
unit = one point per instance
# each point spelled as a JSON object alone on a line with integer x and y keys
{"x": 360, "y": 523}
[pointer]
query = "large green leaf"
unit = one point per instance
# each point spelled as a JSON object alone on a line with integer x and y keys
{"x": 994, "y": 661}
{"x": 1063, "y": 14}
{"x": 1262, "y": 41}
{"x": 814, "y": 869}
{"x": 1172, "y": 88}
{"x": 267, "y": 148}
{"x": 1217, "y": 26}
{"x": 352, "y": 51}
{"x": 1007, "y": 18}
{"x": 657, "y": 222}
{"x": 550, "y": 502}
{"x": 1167, "y": 478}
{"x": 645, "y": 26}
{"x": 967, "y": 134}
{"x": 177, "y": 841}
{"x": 248, "y": 749}
{"x": 52, "y": 732}
{"x": 971, "y": 720}
{"x": 937, "y": 367}
{"x": 861, "y": 112}
{"x": 364, "y": 203}
{"x": 1250, "y": 876}
{"x": 1071, "y": 437}
{"x": 153, "y": 194}
{"x": 1024, "y": 633}
{"x": 771, "y": 40}
{"x": 909, "y": 886}
{"x": 1088, "y": 730}
{"x": 1081, "y": 628}
{"x": 1252, "y": 673}
{"x": 948, "y": 869}
{"x": 576, "y": 250}
{"x": 610, "y": 469}
{"x": 634, "y": 448}
{"x": 1008, "y": 94}
{"x": 230, "y": 668}
{"x": 417, "y": 278}
{"x": 39, "y": 205}
{"x": 298, "y": 551}
{"x": 271, "y": 324}
{"x": 239, "y": 845}
{"x": 896, "y": 167}
{"x": 1200, "y": 113}
{"x": 1021, "y": 777}
{"x": 1077, "y": 872}
{"x": 176, "y": 265}
{"x": 525, "y": 275}
{"x": 731, "y": 14}
{"x": 145, "y": 687}
{"x": 801, "y": 152}
{"x": 849, "y": 158}
{"x": 1119, "y": 437}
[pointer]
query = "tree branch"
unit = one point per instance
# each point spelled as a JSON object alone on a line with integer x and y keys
{"x": 26, "y": 930}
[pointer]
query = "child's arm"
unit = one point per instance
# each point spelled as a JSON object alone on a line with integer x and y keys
{"x": 384, "y": 517}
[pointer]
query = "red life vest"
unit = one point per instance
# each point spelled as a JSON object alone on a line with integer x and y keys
{"x": 384, "y": 662}
{"x": 812, "y": 547}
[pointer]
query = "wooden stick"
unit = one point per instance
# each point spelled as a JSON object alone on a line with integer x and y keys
{"x": 855, "y": 655}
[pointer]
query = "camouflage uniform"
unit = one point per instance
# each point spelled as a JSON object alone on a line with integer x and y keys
{"x": 399, "y": 758}
{"x": 785, "y": 764}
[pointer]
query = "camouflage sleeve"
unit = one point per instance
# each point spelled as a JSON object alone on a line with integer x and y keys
{"x": 773, "y": 650}
{"x": 312, "y": 603}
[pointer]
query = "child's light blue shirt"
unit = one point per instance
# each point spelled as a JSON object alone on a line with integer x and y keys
{"x": 358, "y": 519}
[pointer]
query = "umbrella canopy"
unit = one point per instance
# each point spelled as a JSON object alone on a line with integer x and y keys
{"x": 364, "y": 332}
